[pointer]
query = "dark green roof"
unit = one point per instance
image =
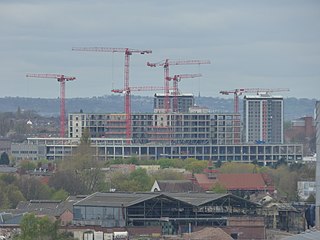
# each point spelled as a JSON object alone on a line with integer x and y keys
{"x": 120, "y": 199}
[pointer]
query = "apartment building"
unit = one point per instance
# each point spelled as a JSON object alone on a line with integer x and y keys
{"x": 263, "y": 119}
{"x": 161, "y": 128}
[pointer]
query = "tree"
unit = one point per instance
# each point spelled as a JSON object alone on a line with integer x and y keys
{"x": 26, "y": 165}
{"x": 85, "y": 138}
{"x": 141, "y": 178}
{"x": 285, "y": 182}
{"x": 40, "y": 228}
{"x": 280, "y": 162}
{"x": 69, "y": 181}
{"x": 218, "y": 163}
{"x": 218, "y": 188}
{"x": 59, "y": 195}
{"x": 136, "y": 181}
{"x": 32, "y": 188}
{"x": 8, "y": 178}
{"x": 167, "y": 174}
{"x": 14, "y": 195}
{"x": 4, "y": 159}
{"x": 166, "y": 163}
{"x": 233, "y": 167}
{"x": 83, "y": 168}
{"x": 197, "y": 166}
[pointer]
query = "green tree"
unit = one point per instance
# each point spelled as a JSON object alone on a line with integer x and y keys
{"x": 35, "y": 228}
{"x": 166, "y": 163}
{"x": 60, "y": 195}
{"x": 4, "y": 159}
{"x": 14, "y": 195}
{"x": 83, "y": 167}
{"x": 285, "y": 182}
{"x": 10, "y": 194}
{"x": 141, "y": 179}
{"x": 219, "y": 188}
{"x": 29, "y": 228}
{"x": 218, "y": 163}
{"x": 197, "y": 166}
{"x": 26, "y": 165}
{"x": 136, "y": 181}
{"x": 167, "y": 174}
{"x": 233, "y": 167}
{"x": 8, "y": 178}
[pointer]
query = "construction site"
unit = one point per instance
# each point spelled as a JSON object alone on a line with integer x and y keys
{"x": 177, "y": 128}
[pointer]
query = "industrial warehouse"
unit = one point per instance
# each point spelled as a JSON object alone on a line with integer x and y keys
{"x": 169, "y": 213}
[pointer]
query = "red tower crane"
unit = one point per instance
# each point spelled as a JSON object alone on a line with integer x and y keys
{"x": 239, "y": 91}
{"x": 176, "y": 79}
{"x": 127, "y": 98}
{"x": 138, "y": 89}
{"x": 62, "y": 80}
{"x": 165, "y": 64}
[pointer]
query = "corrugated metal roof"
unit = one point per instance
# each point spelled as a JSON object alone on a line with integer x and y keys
{"x": 196, "y": 199}
{"x": 116, "y": 199}
{"x": 310, "y": 235}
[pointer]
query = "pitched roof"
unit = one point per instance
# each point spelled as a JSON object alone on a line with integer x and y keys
{"x": 44, "y": 207}
{"x": 178, "y": 186}
{"x": 242, "y": 181}
{"x": 115, "y": 199}
{"x": 120, "y": 199}
{"x": 203, "y": 181}
{"x": 197, "y": 199}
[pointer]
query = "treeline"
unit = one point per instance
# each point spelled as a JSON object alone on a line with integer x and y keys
{"x": 293, "y": 107}
{"x": 79, "y": 176}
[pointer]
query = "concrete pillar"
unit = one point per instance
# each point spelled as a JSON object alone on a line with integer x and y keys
{"x": 318, "y": 165}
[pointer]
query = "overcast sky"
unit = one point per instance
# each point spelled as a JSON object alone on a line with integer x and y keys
{"x": 251, "y": 44}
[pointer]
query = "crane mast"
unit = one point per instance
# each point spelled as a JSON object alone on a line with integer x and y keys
{"x": 127, "y": 97}
{"x": 176, "y": 79}
{"x": 62, "y": 80}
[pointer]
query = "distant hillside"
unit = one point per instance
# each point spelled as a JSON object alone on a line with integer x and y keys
{"x": 294, "y": 108}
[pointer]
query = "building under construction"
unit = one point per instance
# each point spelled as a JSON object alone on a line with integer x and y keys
{"x": 194, "y": 134}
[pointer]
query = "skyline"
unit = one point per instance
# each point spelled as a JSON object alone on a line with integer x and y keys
{"x": 252, "y": 44}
